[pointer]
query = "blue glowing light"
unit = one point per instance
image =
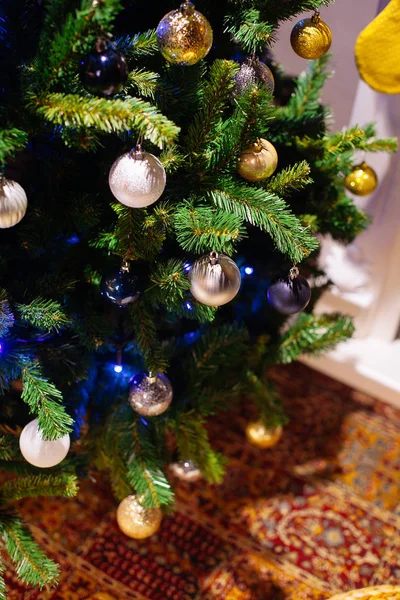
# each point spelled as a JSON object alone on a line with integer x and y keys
{"x": 74, "y": 239}
{"x": 118, "y": 368}
{"x": 189, "y": 306}
{"x": 187, "y": 266}
{"x": 249, "y": 270}
{"x": 1, "y": 347}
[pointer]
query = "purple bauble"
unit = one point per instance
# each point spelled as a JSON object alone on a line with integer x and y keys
{"x": 289, "y": 296}
{"x": 104, "y": 71}
{"x": 120, "y": 287}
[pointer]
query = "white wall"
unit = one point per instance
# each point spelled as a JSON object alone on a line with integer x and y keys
{"x": 346, "y": 18}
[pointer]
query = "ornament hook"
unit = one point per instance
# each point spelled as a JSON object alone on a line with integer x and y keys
{"x": 294, "y": 272}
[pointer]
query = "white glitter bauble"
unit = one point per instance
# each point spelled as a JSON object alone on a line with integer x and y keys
{"x": 215, "y": 279}
{"x": 150, "y": 396}
{"x": 186, "y": 470}
{"x": 13, "y": 203}
{"x": 137, "y": 179}
{"x": 39, "y": 452}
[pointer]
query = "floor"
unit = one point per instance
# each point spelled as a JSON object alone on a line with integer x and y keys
{"x": 317, "y": 514}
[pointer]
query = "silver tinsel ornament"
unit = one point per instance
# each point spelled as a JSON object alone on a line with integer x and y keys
{"x": 186, "y": 470}
{"x": 253, "y": 72}
{"x": 150, "y": 395}
{"x": 13, "y": 203}
{"x": 137, "y": 178}
{"x": 215, "y": 279}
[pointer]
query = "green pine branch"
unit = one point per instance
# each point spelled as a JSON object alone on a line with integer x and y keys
{"x": 170, "y": 283}
{"x": 9, "y": 447}
{"x": 139, "y": 46}
{"x": 143, "y": 82}
{"x": 71, "y": 110}
{"x": 313, "y": 335}
{"x": 199, "y": 228}
{"x": 193, "y": 444}
{"x": 267, "y": 400}
{"x": 144, "y": 323}
{"x": 249, "y": 30}
{"x": 268, "y": 212}
{"x": 172, "y": 159}
{"x": 293, "y": 178}
{"x": 63, "y": 484}
{"x": 44, "y": 400}
{"x": 6, "y": 314}
{"x": 45, "y": 314}
{"x": 33, "y": 567}
{"x": 12, "y": 141}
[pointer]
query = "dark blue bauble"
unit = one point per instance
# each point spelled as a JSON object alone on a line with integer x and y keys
{"x": 120, "y": 287}
{"x": 289, "y": 296}
{"x": 104, "y": 70}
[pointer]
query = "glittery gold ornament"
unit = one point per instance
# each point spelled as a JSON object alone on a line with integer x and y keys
{"x": 135, "y": 521}
{"x": 150, "y": 396}
{"x": 215, "y": 279}
{"x": 13, "y": 203}
{"x": 311, "y": 38}
{"x": 258, "y": 161}
{"x": 261, "y": 436}
{"x": 102, "y": 596}
{"x": 186, "y": 470}
{"x": 184, "y": 35}
{"x": 137, "y": 178}
{"x": 362, "y": 180}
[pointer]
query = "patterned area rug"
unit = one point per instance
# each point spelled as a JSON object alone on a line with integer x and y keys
{"x": 316, "y": 515}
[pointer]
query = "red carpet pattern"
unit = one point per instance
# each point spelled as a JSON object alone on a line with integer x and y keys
{"x": 316, "y": 515}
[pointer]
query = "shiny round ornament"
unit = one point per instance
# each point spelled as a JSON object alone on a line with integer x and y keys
{"x": 150, "y": 396}
{"x": 253, "y": 72}
{"x": 311, "y": 38}
{"x": 120, "y": 287}
{"x": 289, "y": 295}
{"x": 261, "y": 436}
{"x": 135, "y": 521}
{"x": 137, "y": 179}
{"x": 215, "y": 279}
{"x": 184, "y": 36}
{"x": 39, "y": 452}
{"x": 362, "y": 180}
{"x": 186, "y": 470}
{"x": 104, "y": 71}
{"x": 258, "y": 161}
{"x": 13, "y": 203}
{"x": 102, "y": 596}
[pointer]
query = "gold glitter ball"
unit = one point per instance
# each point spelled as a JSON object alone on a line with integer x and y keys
{"x": 150, "y": 396}
{"x": 137, "y": 522}
{"x": 214, "y": 279}
{"x": 258, "y": 161}
{"x": 311, "y": 38}
{"x": 261, "y": 436}
{"x": 184, "y": 36}
{"x": 102, "y": 596}
{"x": 362, "y": 180}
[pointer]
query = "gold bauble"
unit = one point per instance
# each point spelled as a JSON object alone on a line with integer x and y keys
{"x": 214, "y": 279}
{"x": 362, "y": 180}
{"x": 184, "y": 36}
{"x": 311, "y": 38}
{"x": 258, "y": 161}
{"x": 261, "y": 436}
{"x": 102, "y": 596}
{"x": 135, "y": 521}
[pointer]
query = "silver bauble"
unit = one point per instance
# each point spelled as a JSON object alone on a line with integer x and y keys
{"x": 150, "y": 396}
{"x": 253, "y": 72}
{"x": 215, "y": 279}
{"x": 13, "y": 203}
{"x": 137, "y": 179}
{"x": 186, "y": 470}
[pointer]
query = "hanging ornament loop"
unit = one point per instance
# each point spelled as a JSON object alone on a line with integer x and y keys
{"x": 213, "y": 258}
{"x": 137, "y": 152}
{"x": 187, "y": 8}
{"x": 294, "y": 272}
{"x": 316, "y": 18}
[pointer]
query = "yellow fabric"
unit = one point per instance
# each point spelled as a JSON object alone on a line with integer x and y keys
{"x": 378, "y": 51}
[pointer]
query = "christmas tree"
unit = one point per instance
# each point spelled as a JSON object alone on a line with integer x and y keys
{"x": 163, "y": 161}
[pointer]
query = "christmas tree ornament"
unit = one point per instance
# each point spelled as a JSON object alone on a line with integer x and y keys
{"x": 253, "y": 72}
{"x": 258, "y": 161}
{"x": 119, "y": 286}
{"x": 39, "y": 452}
{"x": 137, "y": 178}
{"x": 311, "y": 38}
{"x": 184, "y": 35}
{"x": 135, "y": 521}
{"x": 261, "y": 436}
{"x": 102, "y": 596}
{"x": 377, "y": 51}
{"x": 150, "y": 395}
{"x": 362, "y": 180}
{"x": 289, "y": 295}
{"x": 13, "y": 203}
{"x": 186, "y": 470}
{"x": 215, "y": 279}
{"x": 104, "y": 71}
